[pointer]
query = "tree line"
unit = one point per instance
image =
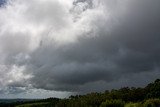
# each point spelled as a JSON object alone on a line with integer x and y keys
{"x": 126, "y": 96}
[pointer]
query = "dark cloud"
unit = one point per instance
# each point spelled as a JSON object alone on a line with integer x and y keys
{"x": 130, "y": 48}
{"x": 2, "y": 2}
{"x": 101, "y": 45}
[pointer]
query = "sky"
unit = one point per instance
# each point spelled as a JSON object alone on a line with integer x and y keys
{"x": 57, "y": 48}
{"x": 2, "y": 2}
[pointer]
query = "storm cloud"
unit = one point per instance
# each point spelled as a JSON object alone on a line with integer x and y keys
{"x": 78, "y": 45}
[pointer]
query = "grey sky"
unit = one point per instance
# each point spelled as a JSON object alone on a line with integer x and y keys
{"x": 77, "y": 46}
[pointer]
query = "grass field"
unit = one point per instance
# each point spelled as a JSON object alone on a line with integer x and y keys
{"x": 34, "y": 104}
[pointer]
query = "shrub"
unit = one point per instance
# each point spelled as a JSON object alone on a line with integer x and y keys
{"x": 113, "y": 103}
{"x": 133, "y": 105}
{"x": 152, "y": 103}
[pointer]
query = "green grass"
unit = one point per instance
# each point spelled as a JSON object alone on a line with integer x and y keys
{"x": 34, "y": 104}
{"x": 133, "y": 105}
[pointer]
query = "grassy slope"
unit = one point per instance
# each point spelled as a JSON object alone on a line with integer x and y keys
{"x": 34, "y": 104}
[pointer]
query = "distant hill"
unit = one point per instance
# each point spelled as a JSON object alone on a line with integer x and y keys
{"x": 15, "y": 100}
{"x": 148, "y": 96}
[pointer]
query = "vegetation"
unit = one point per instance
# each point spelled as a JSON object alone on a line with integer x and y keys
{"x": 113, "y": 103}
{"x": 152, "y": 103}
{"x": 34, "y": 105}
{"x": 148, "y": 96}
{"x": 134, "y": 104}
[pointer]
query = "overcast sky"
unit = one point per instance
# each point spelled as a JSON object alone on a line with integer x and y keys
{"x": 55, "y": 48}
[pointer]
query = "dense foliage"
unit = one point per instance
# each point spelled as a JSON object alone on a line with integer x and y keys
{"x": 125, "y": 97}
{"x": 113, "y": 103}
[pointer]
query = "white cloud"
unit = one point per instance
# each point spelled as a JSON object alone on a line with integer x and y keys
{"x": 26, "y": 26}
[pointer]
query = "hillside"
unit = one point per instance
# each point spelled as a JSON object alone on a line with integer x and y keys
{"x": 148, "y": 96}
